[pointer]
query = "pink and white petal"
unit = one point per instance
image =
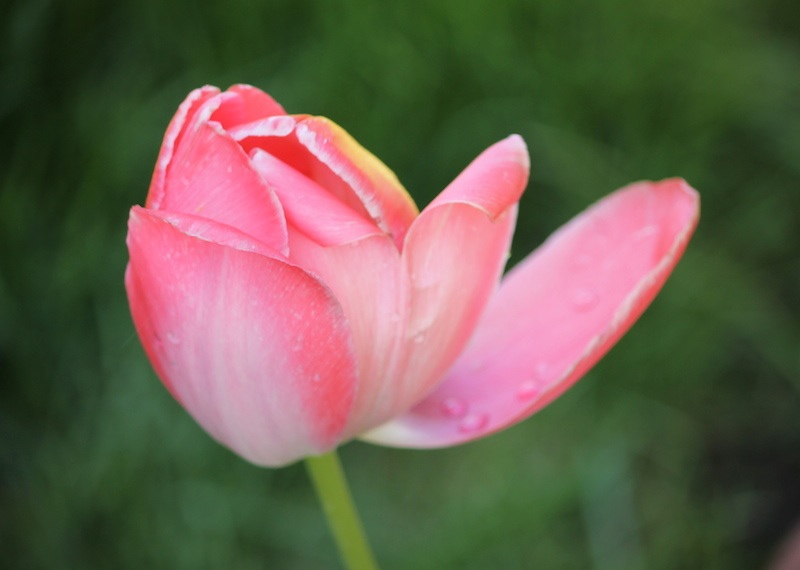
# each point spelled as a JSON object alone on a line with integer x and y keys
{"x": 211, "y": 176}
{"x": 247, "y": 104}
{"x": 453, "y": 256}
{"x": 493, "y": 181}
{"x": 254, "y": 348}
{"x": 177, "y": 126}
{"x": 556, "y": 314}
{"x": 351, "y": 172}
{"x": 309, "y": 207}
{"x": 367, "y": 279}
{"x": 453, "y": 259}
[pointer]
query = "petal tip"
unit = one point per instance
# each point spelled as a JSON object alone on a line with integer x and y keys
{"x": 519, "y": 149}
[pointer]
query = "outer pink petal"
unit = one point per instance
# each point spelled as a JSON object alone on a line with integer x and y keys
{"x": 556, "y": 315}
{"x": 254, "y": 348}
{"x": 367, "y": 278}
{"x": 177, "y": 125}
{"x": 211, "y": 176}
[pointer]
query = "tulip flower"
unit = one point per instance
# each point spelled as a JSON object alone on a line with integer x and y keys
{"x": 291, "y": 296}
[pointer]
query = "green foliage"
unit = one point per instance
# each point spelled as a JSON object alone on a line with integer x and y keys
{"x": 678, "y": 451}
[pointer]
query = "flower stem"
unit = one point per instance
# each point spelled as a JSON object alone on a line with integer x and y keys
{"x": 334, "y": 494}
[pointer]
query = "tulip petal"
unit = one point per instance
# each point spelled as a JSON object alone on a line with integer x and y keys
{"x": 177, "y": 125}
{"x": 244, "y": 104}
{"x": 494, "y": 181}
{"x": 453, "y": 258}
{"x": 309, "y": 207}
{"x": 211, "y": 176}
{"x": 325, "y": 153}
{"x": 367, "y": 279}
{"x": 256, "y": 350}
{"x": 555, "y": 315}
{"x": 375, "y": 185}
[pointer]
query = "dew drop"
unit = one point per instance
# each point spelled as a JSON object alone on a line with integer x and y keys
{"x": 453, "y": 408}
{"x": 419, "y": 339}
{"x": 473, "y": 422}
{"x": 542, "y": 370}
{"x": 316, "y": 378}
{"x": 173, "y": 338}
{"x": 583, "y": 260}
{"x": 529, "y": 390}
{"x": 584, "y": 299}
{"x": 645, "y": 232}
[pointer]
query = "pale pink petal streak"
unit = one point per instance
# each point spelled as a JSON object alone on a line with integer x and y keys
{"x": 556, "y": 314}
{"x": 237, "y": 335}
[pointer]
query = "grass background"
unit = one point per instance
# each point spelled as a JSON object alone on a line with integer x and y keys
{"x": 680, "y": 450}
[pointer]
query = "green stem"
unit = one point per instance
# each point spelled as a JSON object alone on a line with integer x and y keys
{"x": 331, "y": 485}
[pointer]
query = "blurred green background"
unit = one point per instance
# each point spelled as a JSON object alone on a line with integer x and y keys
{"x": 680, "y": 450}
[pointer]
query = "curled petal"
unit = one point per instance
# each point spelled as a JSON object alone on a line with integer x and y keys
{"x": 236, "y": 334}
{"x": 211, "y": 176}
{"x": 310, "y": 208}
{"x": 324, "y": 153}
{"x": 376, "y": 187}
{"x": 452, "y": 258}
{"x": 555, "y": 315}
{"x": 244, "y": 104}
{"x": 175, "y": 130}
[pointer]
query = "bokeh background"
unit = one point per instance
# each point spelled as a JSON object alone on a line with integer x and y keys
{"x": 681, "y": 449}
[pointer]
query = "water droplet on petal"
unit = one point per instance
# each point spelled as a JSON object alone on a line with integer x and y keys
{"x": 316, "y": 378}
{"x": 453, "y": 408}
{"x": 173, "y": 338}
{"x": 529, "y": 390}
{"x": 473, "y": 422}
{"x": 419, "y": 339}
{"x": 584, "y": 299}
{"x": 583, "y": 260}
{"x": 645, "y": 232}
{"x": 542, "y": 370}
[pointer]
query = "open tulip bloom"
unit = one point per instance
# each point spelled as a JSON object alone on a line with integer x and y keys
{"x": 291, "y": 296}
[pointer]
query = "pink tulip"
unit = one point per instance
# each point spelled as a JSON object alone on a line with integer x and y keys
{"x": 291, "y": 297}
